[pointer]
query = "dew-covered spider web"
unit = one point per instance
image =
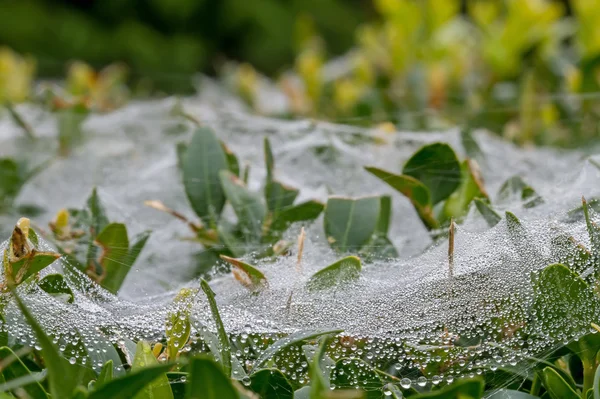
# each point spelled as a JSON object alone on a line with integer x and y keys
{"x": 407, "y": 317}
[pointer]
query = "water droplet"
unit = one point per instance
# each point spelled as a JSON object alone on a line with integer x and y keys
{"x": 405, "y": 383}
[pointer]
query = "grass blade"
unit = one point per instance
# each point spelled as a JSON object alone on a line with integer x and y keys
{"x": 223, "y": 338}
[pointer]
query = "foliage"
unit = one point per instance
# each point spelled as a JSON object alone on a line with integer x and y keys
{"x": 431, "y": 64}
{"x": 442, "y": 189}
{"x": 165, "y": 43}
{"x": 563, "y": 304}
{"x": 211, "y": 178}
{"x": 95, "y": 246}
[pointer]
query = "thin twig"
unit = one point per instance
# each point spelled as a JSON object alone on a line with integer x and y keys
{"x": 159, "y": 206}
{"x": 300, "y": 250}
{"x": 451, "y": 249}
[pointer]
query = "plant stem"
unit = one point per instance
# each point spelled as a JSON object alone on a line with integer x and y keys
{"x": 535, "y": 385}
{"x": 589, "y": 370}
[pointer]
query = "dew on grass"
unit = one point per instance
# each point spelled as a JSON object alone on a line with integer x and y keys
{"x": 404, "y": 316}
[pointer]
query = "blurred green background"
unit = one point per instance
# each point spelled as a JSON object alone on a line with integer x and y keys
{"x": 167, "y": 40}
{"x": 528, "y": 70}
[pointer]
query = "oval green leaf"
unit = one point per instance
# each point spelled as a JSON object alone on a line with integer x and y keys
{"x": 207, "y": 381}
{"x": 556, "y": 386}
{"x": 248, "y": 206}
{"x": 133, "y": 384}
{"x": 285, "y": 342}
{"x": 490, "y": 216}
{"x": 563, "y": 302}
{"x": 436, "y": 166}
{"x": 56, "y": 286}
{"x": 350, "y": 223}
{"x": 414, "y": 190}
{"x": 249, "y": 276}
{"x": 339, "y": 272}
{"x": 113, "y": 259}
{"x": 158, "y": 387}
{"x": 201, "y": 163}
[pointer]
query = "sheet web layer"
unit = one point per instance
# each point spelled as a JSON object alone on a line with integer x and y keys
{"x": 415, "y": 317}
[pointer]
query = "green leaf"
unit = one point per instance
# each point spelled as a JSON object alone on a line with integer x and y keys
{"x": 207, "y": 381}
{"x": 279, "y": 196}
{"x": 98, "y": 214}
{"x": 132, "y": 385}
{"x": 305, "y": 211}
{"x": 569, "y": 252}
{"x": 395, "y": 392}
{"x": 346, "y": 371}
{"x": 414, "y": 190}
{"x": 80, "y": 392}
{"x": 17, "y": 369}
{"x": 106, "y": 374}
{"x": 461, "y": 389}
{"x": 563, "y": 303}
{"x": 285, "y": 342}
{"x": 249, "y": 276}
{"x": 178, "y": 326}
{"x": 385, "y": 215}
{"x": 318, "y": 372}
{"x": 271, "y": 383}
{"x": 324, "y": 364}
{"x": 556, "y": 386}
{"x": 491, "y": 217}
{"x": 248, "y": 206}
{"x": 139, "y": 242}
{"x": 100, "y": 350}
{"x": 339, "y": 272}
{"x": 520, "y": 239}
{"x": 515, "y": 187}
{"x": 380, "y": 245}
{"x": 230, "y": 238}
{"x": 269, "y": 160}
{"x": 232, "y": 160}
{"x": 350, "y": 223}
{"x": 436, "y": 166}
{"x": 577, "y": 214}
{"x": 18, "y": 383}
{"x": 113, "y": 260}
{"x": 202, "y": 161}
{"x": 32, "y": 264}
{"x": 159, "y": 387}
{"x": 596, "y": 388}
{"x": 594, "y": 234}
{"x": 33, "y": 237}
{"x": 95, "y": 220}
{"x": 470, "y": 145}
{"x": 225, "y": 345}
{"x": 63, "y": 377}
{"x": 56, "y": 286}
{"x": 510, "y": 394}
{"x": 471, "y": 187}
{"x": 212, "y": 341}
